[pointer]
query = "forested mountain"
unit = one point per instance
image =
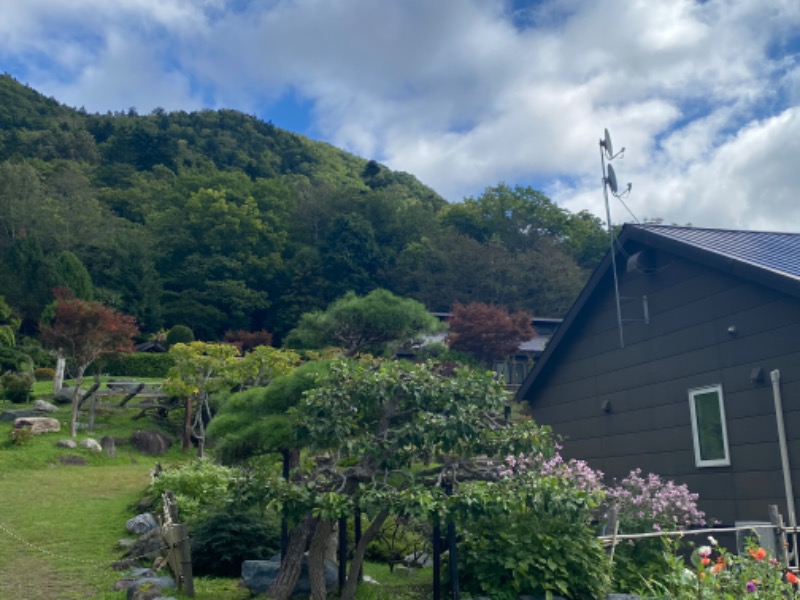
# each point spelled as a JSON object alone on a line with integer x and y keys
{"x": 219, "y": 221}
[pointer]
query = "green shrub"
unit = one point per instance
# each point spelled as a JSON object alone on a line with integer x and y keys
{"x": 21, "y": 436}
{"x": 17, "y": 387}
{"x": 398, "y": 537}
{"x": 180, "y": 334}
{"x": 200, "y": 487}
{"x": 528, "y": 553}
{"x": 14, "y": 359}
{"x": 225, "y": 538}
{"x": 139, "y": 364}
{"x": 44, "y": 374}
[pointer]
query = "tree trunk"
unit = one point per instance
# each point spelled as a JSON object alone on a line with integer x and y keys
{"x": 58, "y": 379}
{"x": 349, "y": 591}
{"x": 285, "y": 582}
{"x": 187, "y": 424}
{"x": 316, "y": 559}
{"x": 76, "y": 400}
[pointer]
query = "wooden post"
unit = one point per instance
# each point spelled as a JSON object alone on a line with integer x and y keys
{"x": 437, "y": 559}
{"x": 179, "y": 548}
{"x": 780, "y": 535}
{"x": 58, "y": 379}
{"x": 612, "y": 523}
{"x": 342, "y": 553}
{"x": 357, "y": 527}
{"x": 452, "y": 547}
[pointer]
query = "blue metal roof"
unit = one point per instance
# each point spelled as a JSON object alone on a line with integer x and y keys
{"x": 778, "y": 252}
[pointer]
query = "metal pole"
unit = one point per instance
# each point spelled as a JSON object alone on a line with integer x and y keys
{"x": 611, "y": 247}
{"x": 775, "y": 376}
{"x": 437, "y": 558}
{"x": 284, "y": 521}
{"x": 342, "y": 553}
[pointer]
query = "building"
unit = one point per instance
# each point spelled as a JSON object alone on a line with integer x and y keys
{"x": 671, "y": 369}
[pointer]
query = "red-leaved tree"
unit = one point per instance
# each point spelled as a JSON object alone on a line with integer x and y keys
{"x": 84, "y": 331}
{"x": 488, "y": 332}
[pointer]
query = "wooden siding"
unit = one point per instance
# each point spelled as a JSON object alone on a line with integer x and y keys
{"x": 645, "y": 384}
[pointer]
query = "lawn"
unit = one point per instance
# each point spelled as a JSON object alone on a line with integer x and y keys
{"x": 60, "y": 523}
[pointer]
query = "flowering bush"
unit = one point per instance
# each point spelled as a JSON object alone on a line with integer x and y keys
{"x": 719, "y": 575}
{"x": 653, "y": 504}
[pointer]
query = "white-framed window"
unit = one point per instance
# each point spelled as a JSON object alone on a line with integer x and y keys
{"x": 708, "y": 427}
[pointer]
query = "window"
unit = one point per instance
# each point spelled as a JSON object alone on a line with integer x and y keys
{"x": 708, "y": 427}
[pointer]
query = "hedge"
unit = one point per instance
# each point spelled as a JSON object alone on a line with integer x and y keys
{"x": 138, "y": 364}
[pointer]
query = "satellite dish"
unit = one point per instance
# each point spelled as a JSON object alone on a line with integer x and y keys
{"x": 611, "y": 180}
{"x": 606, "y": 143}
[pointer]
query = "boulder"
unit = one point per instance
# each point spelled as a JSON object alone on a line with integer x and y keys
{"x": 149, "y": 588}
{"x": 258, "y": 575}
{"x": 71, "y": 444}
{"x": 38, "y": 425}
{"x": 20, "y": 413}
{"x": 75, "y": 461}
{"x": 141, "y": 524}
{"x": 150, "y": 442}
{"x": 418, "y": 559}
{"x": 43, "y": 406}
{"x": 148, "y": 546}
{"x": 91, "y": 444}
{"x": 64, "y": 395}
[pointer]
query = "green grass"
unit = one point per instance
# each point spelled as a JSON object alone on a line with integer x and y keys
{"x": 60, "y": 524}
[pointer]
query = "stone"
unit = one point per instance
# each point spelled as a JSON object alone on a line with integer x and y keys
{"x": 258, "y": 575}
{"x": 149, "y": 588}
{"x": 44, "y": 406}
{"x": 124, "y": 564}
{"x": 19, "y": 413}
{"x": 38, "y": 425}
{"x": 71, "y": 444}
{"x": 64, "y": 395}
{"x": 91, "y": 444}
{"x": 418, "y": 559}
{"x": 141, "y": 524}
{"x": 109, "y": 444}
{"x": 75, "y": 461}
{"x": 150, "y": 442}
{"x": 148, "y": 546}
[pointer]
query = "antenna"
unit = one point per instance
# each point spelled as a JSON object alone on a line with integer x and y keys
{"x": 610, "y": 182}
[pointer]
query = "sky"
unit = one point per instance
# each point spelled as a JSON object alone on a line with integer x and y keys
{"x": 465, "y": 94}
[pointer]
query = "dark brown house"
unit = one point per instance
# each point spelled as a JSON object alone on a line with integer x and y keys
{"x": 678, "y": 372}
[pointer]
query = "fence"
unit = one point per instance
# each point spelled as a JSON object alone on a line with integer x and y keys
{"x": 785, "y": 551}
{"x": 179, "y": 549}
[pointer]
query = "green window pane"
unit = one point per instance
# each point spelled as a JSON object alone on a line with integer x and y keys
{"x": 709, "y": 426}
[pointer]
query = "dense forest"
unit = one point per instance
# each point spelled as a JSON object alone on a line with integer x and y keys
{"x": 220, "y": 221}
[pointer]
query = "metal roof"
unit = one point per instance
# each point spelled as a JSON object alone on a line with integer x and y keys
{"x": 778, "y": 252}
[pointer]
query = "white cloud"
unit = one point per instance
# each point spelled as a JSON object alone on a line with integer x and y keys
{"x": 453, "y": 91}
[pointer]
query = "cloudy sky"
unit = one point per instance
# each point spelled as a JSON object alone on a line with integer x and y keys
{"x": 705, "y": 95}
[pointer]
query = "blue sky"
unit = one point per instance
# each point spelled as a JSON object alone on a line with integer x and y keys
{"x": 464, "y": 94}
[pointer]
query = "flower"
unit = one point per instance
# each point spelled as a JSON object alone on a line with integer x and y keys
{"x": 705, "y": 561}
{"x": 713, "y": 541}
{"x": 791, "y": 578}
{"x": 704, "y": 551}
{"x": 759, "y": 554}
{"x": 751, "y": 587}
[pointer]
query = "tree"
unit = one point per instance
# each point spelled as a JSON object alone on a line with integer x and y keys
{"x": 370, "y": 323}
{"x": 84, "y": 331}
{"x": 487, "y": 332}
{"x": 369, "y": 427}
{"x": 202, "y": 369}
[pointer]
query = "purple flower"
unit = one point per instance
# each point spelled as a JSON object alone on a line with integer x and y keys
{"x": 751, "y": 587}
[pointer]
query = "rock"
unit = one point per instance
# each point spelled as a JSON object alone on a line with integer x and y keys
{"x": 141, "y": 524}
{"x": 149, "y": 588}
{"x": 76, "y": 461}
{"x": 67, "y": 444}
{"x": 43, "y": 406}
{"x": 19, "y": 413}
{"x": 64, "y": 395}
{"x": 418, "y": 559}
{"x": 124, "y": 564}
{"x": 258, "y": 575}
{"x": 150, "y": 442}
{"x": 38, "y": 425}
{"x": 91, "y": 444}
{"x": 148, "y": 546}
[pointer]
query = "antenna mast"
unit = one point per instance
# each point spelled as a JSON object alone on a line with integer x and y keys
{"x": 610, "y": 181}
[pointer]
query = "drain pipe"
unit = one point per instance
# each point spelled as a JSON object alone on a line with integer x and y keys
{"x": 775, "y": 376}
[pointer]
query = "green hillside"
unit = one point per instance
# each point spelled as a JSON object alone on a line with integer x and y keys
{"x": 221, "y": 221}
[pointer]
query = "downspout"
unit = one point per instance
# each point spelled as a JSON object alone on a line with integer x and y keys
{"x": 775, "y": 376}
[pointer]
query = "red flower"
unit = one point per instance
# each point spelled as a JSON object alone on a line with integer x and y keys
{"x": 759, "y": 554}
{"x": 791, "y": 578}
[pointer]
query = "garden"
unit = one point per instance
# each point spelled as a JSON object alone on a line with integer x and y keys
{"x": 414, "y": 475}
